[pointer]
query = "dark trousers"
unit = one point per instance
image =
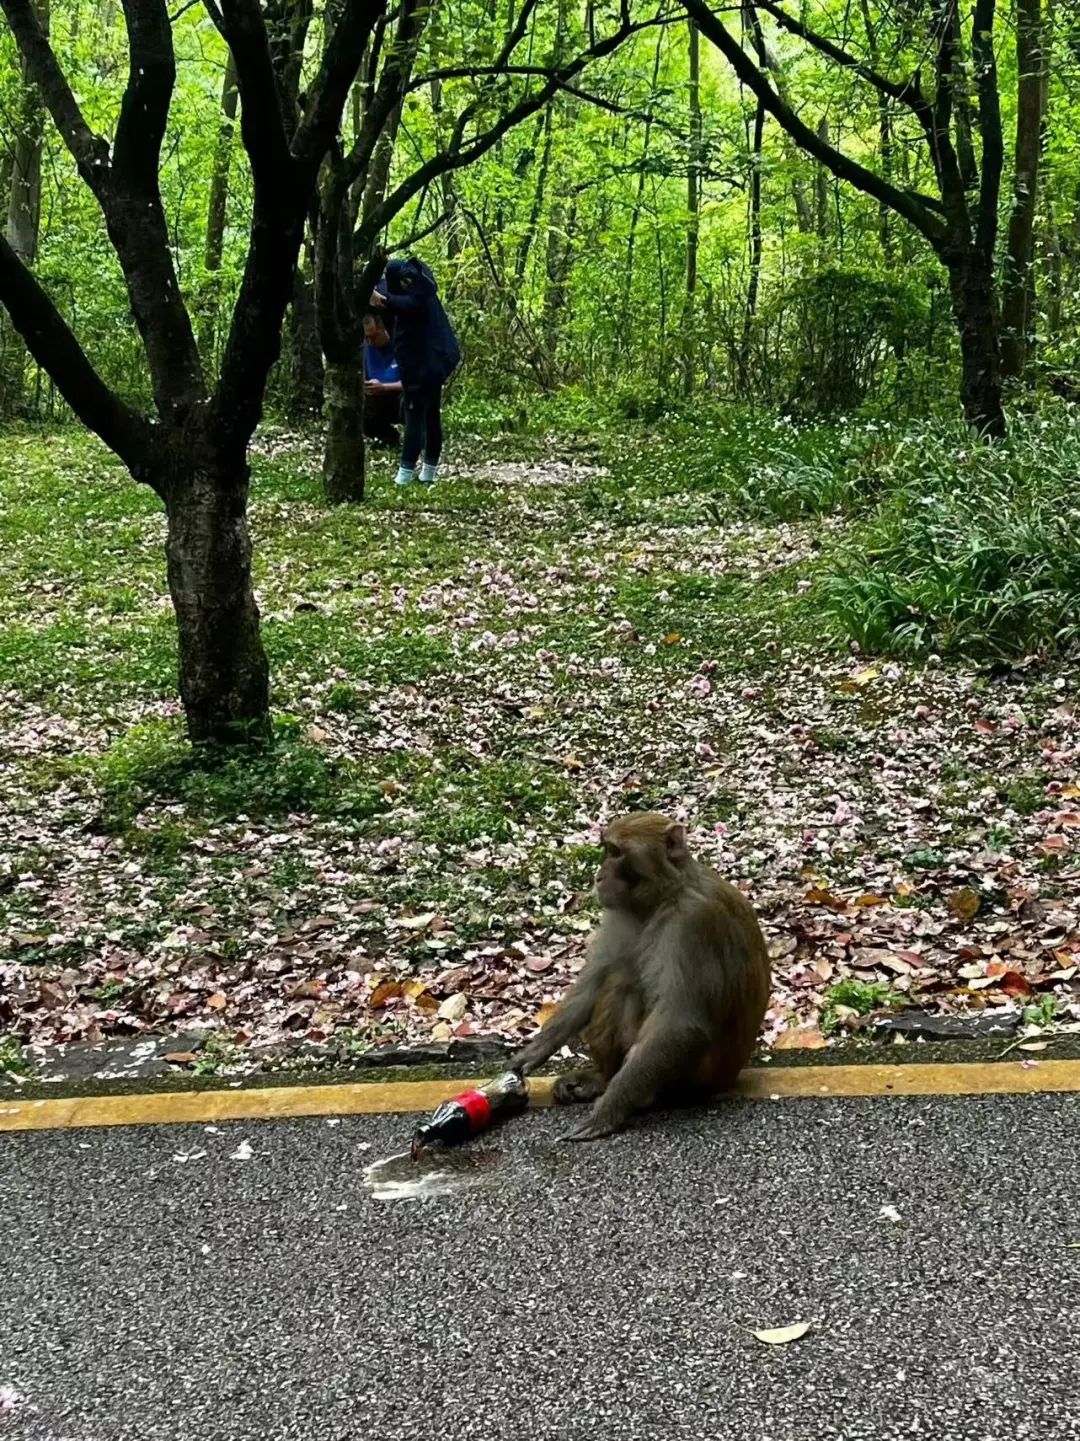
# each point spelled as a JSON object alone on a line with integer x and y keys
{"x": 423, "y": 424}
{"x": 382, "y": 412}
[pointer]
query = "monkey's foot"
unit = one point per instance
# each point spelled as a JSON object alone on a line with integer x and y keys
{"x": 578, "y": 1088}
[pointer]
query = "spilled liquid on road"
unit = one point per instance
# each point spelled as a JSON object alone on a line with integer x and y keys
{"x": 432, "y": 1173}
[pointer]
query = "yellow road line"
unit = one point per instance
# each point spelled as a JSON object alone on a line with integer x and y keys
{"x": 1011, "y": 1077}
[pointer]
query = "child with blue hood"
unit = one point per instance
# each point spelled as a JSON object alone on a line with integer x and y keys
{"x": 427, "y": 353}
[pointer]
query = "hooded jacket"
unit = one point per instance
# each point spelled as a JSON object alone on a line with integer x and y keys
{"x": 425, "y": 346}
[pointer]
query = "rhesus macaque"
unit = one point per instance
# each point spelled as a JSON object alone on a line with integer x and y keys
{"x": 673, "y": 993}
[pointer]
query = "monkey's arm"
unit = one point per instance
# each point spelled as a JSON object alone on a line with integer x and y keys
{"x": 667, "y": 1051}
{"x": 568, "y": 1021}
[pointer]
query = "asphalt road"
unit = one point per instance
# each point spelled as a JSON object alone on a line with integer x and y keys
{"x": 566, "y": 1293}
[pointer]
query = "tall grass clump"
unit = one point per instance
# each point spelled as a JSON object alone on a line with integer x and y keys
{"x": 973, "y": 549}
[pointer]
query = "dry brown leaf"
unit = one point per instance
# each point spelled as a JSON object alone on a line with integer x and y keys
{"x": 673, "y": 638}
{"x": 539, "y": 964}
{"x": 964, "y": 903}
{"x": 870, "y": 900}
{"x": 385, "y": 991}
{"x": 819, "y": 897}
{"x": 217, "y": 1001}
{"x": 571, "y": 763}
{"x": 426, "y": 1002}
{"x": 180, "y": 1058}
{"x": 800, "y": 1038}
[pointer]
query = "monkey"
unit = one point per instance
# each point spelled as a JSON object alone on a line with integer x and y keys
{"x": 674, "y": 989}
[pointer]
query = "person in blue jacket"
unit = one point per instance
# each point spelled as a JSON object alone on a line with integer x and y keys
{"x": 427, "y": 353}
{"x": 382, "y": 385}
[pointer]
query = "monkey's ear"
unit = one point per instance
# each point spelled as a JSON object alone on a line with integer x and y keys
{"x": 675, "y": 841}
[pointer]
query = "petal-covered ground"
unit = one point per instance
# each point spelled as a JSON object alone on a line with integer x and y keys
{"x": 468, "y": 681}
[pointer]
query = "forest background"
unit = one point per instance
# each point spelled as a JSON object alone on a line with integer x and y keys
{"x": 760, "y": 503}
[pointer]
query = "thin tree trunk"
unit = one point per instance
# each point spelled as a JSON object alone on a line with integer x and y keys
{"x": 756, "y": 243}
{"x": 628, "y": 329}
{"x": 224, "y": 677}
{"x": 24, "y": 220}
{"x": 693, "y": 212}
{"x": 821, "y": 186}
{"x": 216, "y": 211}
{"x": 304, "y": 398}
{"x": 1017, "y": 303}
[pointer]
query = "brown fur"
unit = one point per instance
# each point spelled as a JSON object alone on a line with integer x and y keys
{"x": 676, "y": 986}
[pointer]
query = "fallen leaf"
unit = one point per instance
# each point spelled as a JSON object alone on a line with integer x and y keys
{"x": 818, "y": 897}
{"x": 963, "y": 903}
{"x": 217, "y": 1001}
{"x": 673, "y": 638}
{"x": 870, "y": 900}
{"x": 571, "y": 763}
{"x": 181, "y": 1058}
{"x": 243, "y": 1152}
{"x": 416, "y": 923}
{"x": 454, "y": 1007}
{"x": 1034, "y": 1046}
{"x": 889, "y": 1213}
{"x": 386, "y": 991}
{"x": 412, "y": 989}
{"x": 805, "y": 1038}
{"x": 781, "y": 1335}
{"x": 539, "y": 964}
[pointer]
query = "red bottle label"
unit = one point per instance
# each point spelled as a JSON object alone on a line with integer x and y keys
{"x": 477, "y": 1108}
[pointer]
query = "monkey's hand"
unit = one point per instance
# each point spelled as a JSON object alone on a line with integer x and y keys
{"x": 594, "y": 1129}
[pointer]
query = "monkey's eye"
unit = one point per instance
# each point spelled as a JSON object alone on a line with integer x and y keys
{"x": 628, "y": 876}
{"x": 612, "y": 851}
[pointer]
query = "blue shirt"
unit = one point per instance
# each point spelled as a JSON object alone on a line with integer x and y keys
{"x": 379, "y": 363}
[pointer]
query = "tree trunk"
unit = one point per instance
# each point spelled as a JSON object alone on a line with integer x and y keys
{"x": 343, "y": 457}
{"x": 24, "y": 221}
{"x": 304, "y": 398}
{"x": 821, "y": 186}
{"x": 224, "y": 677}
{"x": 972, "y": 288}
{"x": 217, "y": 207}
{"x": 1017, "y": 304}
{"x": 756, "y": 243}
{"x": 693, "y": 213}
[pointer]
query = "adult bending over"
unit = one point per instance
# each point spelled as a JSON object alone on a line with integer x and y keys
{"x": 426, "y": 351}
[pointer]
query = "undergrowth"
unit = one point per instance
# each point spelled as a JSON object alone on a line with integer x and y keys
{"x": 972, "y": 548}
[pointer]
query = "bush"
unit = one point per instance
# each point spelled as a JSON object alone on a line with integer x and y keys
{"x": 849, "y": 331}
{"x": 973, "y": 549}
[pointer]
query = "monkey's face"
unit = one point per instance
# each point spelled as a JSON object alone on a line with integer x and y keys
{"x": 642, "y": 864}
{"x": 618, "y": 883}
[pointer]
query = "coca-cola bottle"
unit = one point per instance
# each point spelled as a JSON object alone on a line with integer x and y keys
{"x": 471, "y": 1112}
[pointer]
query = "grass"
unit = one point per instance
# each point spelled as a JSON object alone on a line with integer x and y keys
{"x": 971, "y": 549}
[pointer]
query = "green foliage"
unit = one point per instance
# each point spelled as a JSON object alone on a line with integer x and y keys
{"x": 153, "y": 762}
{"x": 972, "y": 549}
{"x": 12, "y": 1059}
{"x": 849, "y": 331}
{"x": 859, "y": 996}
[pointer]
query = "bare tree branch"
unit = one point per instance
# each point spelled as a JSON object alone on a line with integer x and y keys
{"x": 52, "y": 344}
